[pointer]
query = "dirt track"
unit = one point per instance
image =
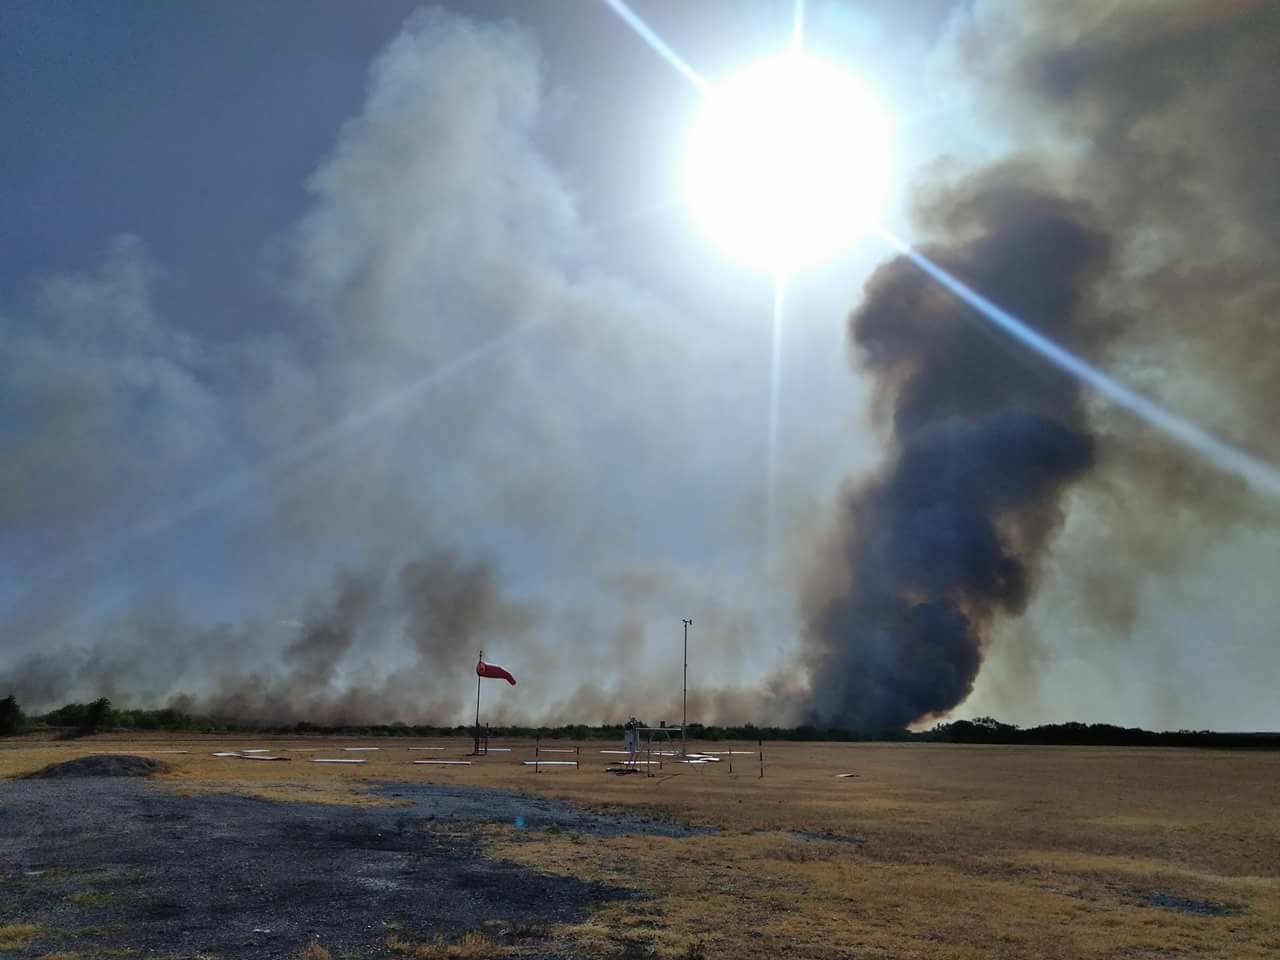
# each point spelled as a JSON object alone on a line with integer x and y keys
{"x": 114, "y": 863}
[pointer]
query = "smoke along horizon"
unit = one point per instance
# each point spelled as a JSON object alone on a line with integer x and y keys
{"x": 396, "y": 643}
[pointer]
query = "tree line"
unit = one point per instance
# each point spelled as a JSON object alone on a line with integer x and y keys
{"x": 82, "y": 719}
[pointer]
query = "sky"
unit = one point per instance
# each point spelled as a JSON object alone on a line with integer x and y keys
{"x": 340, "y": 342}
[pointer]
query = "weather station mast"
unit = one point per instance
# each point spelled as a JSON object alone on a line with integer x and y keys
{"x": 684, "y": 700}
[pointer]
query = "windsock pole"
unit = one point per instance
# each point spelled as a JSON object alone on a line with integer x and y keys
{"x": 477, "y": 750}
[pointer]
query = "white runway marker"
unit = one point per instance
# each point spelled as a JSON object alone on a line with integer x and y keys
{"x": 336, "y": 760}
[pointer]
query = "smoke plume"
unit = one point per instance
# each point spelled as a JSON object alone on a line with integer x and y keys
{"x": 949, "y": 534}
{"x": 1139, "y": 234}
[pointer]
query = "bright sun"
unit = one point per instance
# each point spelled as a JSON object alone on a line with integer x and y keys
{"x": 788, "y": 163}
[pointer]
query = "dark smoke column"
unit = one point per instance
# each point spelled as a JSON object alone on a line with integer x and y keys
{"x": 948, "y": 535}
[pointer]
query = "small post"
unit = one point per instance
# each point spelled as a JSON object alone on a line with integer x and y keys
{"x": 537, "y": 745}
{"x": 760, "y": 744}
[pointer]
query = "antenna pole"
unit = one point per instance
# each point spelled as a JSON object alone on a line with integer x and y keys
{"x": 684, "y": 707}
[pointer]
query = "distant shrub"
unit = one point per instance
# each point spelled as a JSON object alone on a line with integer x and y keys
{"x": 12, "y": 719}
{"x": 96, "y": 717}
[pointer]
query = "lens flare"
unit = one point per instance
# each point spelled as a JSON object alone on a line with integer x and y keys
{"x": 788, "y": 162}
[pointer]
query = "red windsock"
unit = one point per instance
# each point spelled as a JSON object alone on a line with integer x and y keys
{"x": 494, "y": 672}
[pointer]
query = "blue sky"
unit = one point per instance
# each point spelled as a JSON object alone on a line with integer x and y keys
{"x": 249, "y": 249}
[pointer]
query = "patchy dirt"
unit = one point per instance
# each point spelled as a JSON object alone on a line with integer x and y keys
{"x": 122, "y": 864}
{"x": 101, "y": 765}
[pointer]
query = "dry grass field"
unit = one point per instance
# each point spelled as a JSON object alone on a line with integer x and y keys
{"x": 935, "y": 851}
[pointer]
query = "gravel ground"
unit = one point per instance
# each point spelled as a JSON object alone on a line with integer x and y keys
{"x": 102, "y": 765}
{"x": 110, "y": 863}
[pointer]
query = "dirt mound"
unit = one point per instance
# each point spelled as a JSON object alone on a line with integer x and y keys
{"x": 102, "y": 766}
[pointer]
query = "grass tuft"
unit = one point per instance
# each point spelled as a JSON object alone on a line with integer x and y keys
{"x": 634, "y": 950}
{"x": 15, "y": 936}
{"x": 472, "y": 945}
{"x": 530, "y": 930}
{"x": 312, "y": 951}
{"x": 91, "y": 898}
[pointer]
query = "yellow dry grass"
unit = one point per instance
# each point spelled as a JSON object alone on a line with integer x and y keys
{"x": 312, "y": 951}
{"x": 472, "y": 945}
{"x": 15, "y": 936}
{"x": 90, "y": 898}
{"x": 929, "y": 851}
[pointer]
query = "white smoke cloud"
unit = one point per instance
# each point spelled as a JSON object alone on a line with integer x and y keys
{"x": 454, "y": 368}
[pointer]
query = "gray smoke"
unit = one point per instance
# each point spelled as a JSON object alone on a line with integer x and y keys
{"x": 949, "y": 534}
{"x": 1143, "y": 239}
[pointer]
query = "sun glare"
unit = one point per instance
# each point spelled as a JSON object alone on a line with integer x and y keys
{"x": 788, "y": 163}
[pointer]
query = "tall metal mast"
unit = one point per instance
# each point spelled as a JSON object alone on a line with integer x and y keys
{"x": 684, "y": 708}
